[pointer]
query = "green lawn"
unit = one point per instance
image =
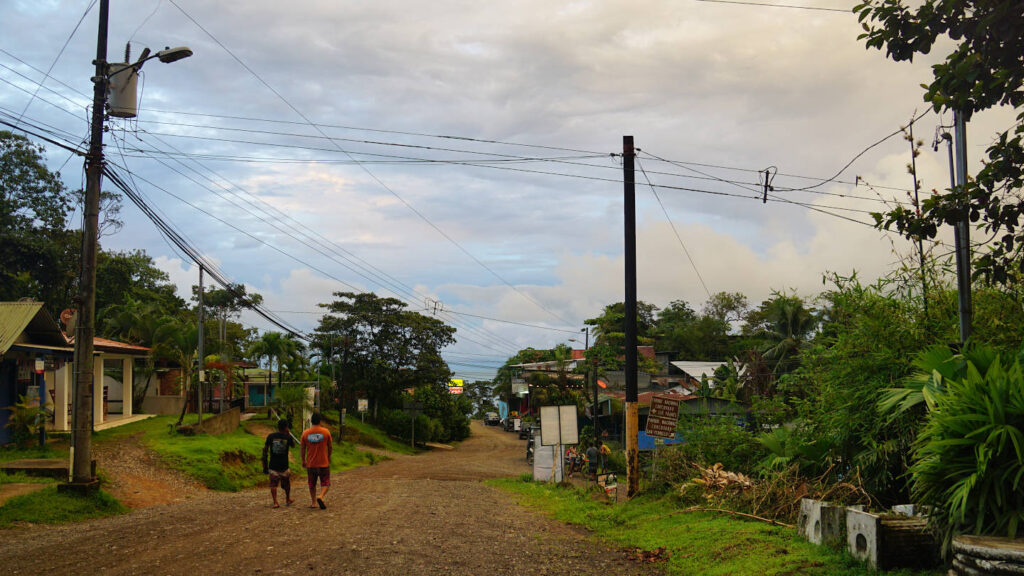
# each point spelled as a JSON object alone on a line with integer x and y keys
{"x": 229, "y": 462}
{"x": 370, "y": 435}
{"x": 47, "y": 506}
{"x": 698, "y": 542}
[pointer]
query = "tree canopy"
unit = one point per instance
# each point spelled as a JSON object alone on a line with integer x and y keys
{"x": 983, "y": 70}
{"x": 38, "y": 254}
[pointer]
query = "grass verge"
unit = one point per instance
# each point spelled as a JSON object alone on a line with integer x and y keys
{"x": 697, "y": 542}
{"x": 367, "y": 435}
{"x": 228, "y": 462}
{"x": 47, "y": 506}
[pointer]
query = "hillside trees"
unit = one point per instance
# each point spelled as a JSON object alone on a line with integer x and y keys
{"x": 983, "y": 70}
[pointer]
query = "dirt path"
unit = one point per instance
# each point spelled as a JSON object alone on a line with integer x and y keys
{"x": 135, "y": 476}
{"x": 427, "y": 514}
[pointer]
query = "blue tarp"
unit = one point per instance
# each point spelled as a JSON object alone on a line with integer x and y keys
{"x": 646, "y": 442}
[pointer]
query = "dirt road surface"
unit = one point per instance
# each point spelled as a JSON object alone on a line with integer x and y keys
{"x": 425, "y": 514}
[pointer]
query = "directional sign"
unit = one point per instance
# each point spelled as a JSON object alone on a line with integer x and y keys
{"x": 661, "y": 422}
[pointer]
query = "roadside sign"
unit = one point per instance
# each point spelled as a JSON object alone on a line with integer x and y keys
{"x": 364, "y": 404}
{"x": 558, "y": 425}
{"x": 455, "y": 386}
{"x": 412, "y": 407}
{"x": 661, "y": 422}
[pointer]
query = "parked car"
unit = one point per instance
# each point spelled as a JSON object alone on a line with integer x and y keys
{"x": 492, "y": 419}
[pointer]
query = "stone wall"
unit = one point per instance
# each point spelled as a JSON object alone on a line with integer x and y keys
{"x": 222, "y": 423}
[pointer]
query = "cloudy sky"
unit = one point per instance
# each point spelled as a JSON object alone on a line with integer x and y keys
{"x": 460, "y": 155}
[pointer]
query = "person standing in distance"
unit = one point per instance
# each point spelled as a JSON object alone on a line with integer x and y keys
{"x": 277, "y": 444}
{"x": 316, "y": 448}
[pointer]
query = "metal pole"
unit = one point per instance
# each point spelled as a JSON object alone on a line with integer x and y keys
{"x": 81, "y": 415}
{"x": 917, "y": 206}
{"x": 632, "y": 410}
{"x": 200, "y": 352}
{"x": 963, "y": 232}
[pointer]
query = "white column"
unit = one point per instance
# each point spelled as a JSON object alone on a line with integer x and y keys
{"x": 62, "y": 390}
{"x": 97, "y": 390}
{"x": 128, "y": 386}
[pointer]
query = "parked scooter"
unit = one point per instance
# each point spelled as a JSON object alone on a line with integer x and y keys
{"x": 529, "y": 450}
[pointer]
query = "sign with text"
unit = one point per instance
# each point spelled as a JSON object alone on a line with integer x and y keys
{"x": 455, "y": 386}
{"x": 363, "y": 404}
{"x": 661, "y": 422}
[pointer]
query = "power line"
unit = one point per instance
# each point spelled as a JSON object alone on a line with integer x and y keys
{"x": 370, "y": 173}
{"x": 215, "y": 273}
{"x": 61, "y": 52}
{"x": 766, "y": 5}
{"x": 382, "y": 278}
{"x": 676, "y": 232}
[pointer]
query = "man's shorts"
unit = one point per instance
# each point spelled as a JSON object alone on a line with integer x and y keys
{"x": 279, "y": 477}
{"x": 324, "y": 474}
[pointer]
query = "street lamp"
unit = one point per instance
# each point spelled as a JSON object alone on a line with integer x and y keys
{"x": 81, "y": 459}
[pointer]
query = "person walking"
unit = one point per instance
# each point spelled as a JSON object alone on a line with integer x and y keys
{"x": 316, "y": 447}
{"x": 277, "y": 445}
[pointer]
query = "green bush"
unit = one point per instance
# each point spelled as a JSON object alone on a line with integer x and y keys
{"x": 23, "y": 422}
{"x": 707, "y": 441}
{"x": 399, "y": 424}
{"x": 969, "y": 464}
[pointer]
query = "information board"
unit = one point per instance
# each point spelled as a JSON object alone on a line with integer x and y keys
{"x": 661, "y": 422}
{"x": 558, "y": 425}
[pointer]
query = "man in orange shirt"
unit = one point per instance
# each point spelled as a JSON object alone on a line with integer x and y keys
{"x": 316, "y": 448}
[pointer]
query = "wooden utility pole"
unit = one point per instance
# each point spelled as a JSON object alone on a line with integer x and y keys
{"x": 632, "y": 410}
{"x": 82, "y": 411}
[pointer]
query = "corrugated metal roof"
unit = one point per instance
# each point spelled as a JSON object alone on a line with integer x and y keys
{"x": 698, "y": 369}
{"x": 14, "y": 318}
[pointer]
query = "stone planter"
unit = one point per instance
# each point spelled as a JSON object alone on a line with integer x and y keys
{"x": 977, "y": 555}
{"x": 886, "y": 542}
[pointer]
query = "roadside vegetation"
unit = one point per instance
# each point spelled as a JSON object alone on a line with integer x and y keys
{"x": 687, "y": 542}
{"x": 47, "y": 506}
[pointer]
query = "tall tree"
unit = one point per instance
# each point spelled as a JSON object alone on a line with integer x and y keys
{"x": 389, "y": 345}
{"x": 132, "y": 275}
{"x": 38, "y": 254}
{"x": 784, "y": 324}
{"x": 984, "y": 69}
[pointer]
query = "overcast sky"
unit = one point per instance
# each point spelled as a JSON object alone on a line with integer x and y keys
{"x": 463, "y": 152}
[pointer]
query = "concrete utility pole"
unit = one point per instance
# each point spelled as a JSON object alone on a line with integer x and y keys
{"x": 199, "y": 351}
{"x": 963, "y": 232}
{"x": 81, "y": 415}
{"x": 632, "y": 410}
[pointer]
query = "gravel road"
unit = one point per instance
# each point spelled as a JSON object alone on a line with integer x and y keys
{"x": 425, "y": 514}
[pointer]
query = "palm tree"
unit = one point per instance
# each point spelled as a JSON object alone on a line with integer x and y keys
{"x": 274, "y": 346}
{"x": 177, "y": 339}
{"x": 787, "y": 325}
{"x": 137, "y": 322}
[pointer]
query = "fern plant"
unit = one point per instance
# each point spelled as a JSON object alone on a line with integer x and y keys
{"x": 969, "y": 458}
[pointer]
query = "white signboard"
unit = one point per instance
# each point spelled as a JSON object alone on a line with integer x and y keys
{"x": 558, "y": 425}
{"x": 364, "y": 404}
{"x": 546, "y": 467}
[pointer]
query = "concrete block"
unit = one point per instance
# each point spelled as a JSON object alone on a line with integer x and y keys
{"x": 863, "y": 536}
{"x": 821, "y": 522}
{"x": 905, "y": 510}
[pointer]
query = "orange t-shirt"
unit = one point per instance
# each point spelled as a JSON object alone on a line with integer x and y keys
{"x": 317, "y": 442}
